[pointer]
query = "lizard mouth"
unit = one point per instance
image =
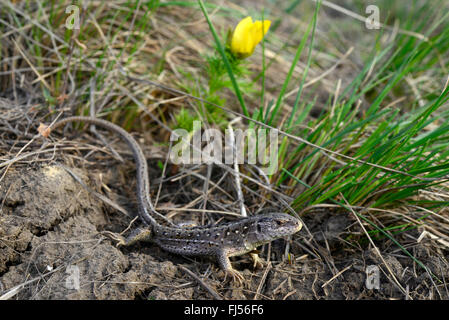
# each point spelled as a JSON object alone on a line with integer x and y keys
{"x": 292, "y": 225}
{"x": 298, "y": 226}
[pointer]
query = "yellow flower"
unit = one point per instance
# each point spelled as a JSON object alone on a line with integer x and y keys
{"x": 247, "y": 34}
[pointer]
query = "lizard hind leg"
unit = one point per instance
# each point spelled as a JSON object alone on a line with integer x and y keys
{"x": 139, "y": 234}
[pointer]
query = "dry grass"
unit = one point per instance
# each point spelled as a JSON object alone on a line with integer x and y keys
{"x": 48, "y": 71}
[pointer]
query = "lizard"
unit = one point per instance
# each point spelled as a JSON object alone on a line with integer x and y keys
{"x": 216, "y": 241}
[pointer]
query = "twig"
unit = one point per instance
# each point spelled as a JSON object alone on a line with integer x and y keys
{"x": 262, "y": 281}
{"x": 363, "y": 19}
{"x": 236, "y": 167}
{"x": 93, "y": 192}
{"x": 156, "y": 200}
{"x": 201, "y": 283}
{"x": 322, "y": 75}
{"x": 39, "y": 76}
{"x": 93, "y": 128}
{"x": 336, "y": 276}
{"x": 15, "y": 290}
{"x": 376, "y": 249}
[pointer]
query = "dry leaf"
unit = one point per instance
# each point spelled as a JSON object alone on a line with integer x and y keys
{"x": 44, "y": 130}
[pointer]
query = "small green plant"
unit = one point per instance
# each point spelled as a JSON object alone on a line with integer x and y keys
{"x": 226, "y": 68}
{"x": 184, "y": 119}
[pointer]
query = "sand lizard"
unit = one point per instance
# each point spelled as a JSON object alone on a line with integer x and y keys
{"x": 220, "y": 242}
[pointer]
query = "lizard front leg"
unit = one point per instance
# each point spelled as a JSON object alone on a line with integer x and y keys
{"x": 225, "y": 264}
{"x": 257, "y": 261}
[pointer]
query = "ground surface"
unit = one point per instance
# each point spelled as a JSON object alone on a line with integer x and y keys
{"x": 50, "y": 223}
{"x": 50, "y": 226}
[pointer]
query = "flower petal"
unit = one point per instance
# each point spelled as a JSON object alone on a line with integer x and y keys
{"x": 242, "y": 42}
{"x": 244, "y": 25}
{"x": 247, "y": 34}
{"x": 260, "y": 28}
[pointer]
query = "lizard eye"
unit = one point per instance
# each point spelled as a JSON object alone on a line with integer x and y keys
{"x": 280, "y": 222}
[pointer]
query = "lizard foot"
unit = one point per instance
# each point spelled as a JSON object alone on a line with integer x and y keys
{"x": 235, "y": 275}
{"x": 139, "y": 234}
{"x": 258, "y": 262}
{"x": 121, "y": 241}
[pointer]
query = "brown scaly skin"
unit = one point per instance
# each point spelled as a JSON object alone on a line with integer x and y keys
{"x": 219, "y": 242}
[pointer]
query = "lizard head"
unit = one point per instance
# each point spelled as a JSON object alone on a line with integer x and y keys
{"x": 273, "y": 226}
